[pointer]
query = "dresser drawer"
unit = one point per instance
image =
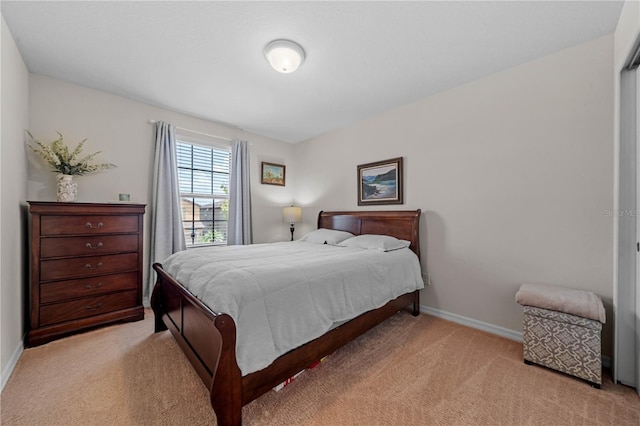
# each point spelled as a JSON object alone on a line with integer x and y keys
{"x": 90, "y": 306}
{"x": 89, "y": 245}
{"x": 72, "y": 289}
{"x": 89, "y": 224}
{"x": 87, "y": 266}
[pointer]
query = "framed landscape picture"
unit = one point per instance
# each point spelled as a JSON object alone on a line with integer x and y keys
{"x": 272, "y": 174}
{"x": 380, "y": 182}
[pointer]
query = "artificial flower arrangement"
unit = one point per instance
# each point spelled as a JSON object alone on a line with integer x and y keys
{"x": 66, "y": 162}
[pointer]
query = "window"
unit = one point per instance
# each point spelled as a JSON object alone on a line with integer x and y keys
{"x": 203, "y": 177}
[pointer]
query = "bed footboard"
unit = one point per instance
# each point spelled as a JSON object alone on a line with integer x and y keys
{"x": 207, "y": 339}
{"x": 197, "y": 329}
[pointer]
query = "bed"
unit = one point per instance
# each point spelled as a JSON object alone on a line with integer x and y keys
{"x": 208, "y": 338}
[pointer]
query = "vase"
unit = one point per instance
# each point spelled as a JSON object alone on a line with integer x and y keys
{"x": 67, "y": 189}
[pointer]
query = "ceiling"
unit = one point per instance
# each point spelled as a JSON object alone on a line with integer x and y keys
{"x": 206, "y": 59}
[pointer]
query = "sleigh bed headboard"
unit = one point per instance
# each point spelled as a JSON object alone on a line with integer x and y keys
{"x": 402, "y": 224}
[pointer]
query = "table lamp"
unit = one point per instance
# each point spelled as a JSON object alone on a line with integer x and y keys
{"x": 292, "y": 215}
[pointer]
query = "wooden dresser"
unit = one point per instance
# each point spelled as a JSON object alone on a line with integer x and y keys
{"x": 86, "y": 267}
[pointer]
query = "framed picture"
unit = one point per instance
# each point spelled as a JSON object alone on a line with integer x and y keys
{"x": 273, "y": 174}
{"x": 380, "y": 182}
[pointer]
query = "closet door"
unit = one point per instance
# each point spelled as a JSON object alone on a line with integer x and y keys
{"x": 637, "y": 283}
{"x": 627, "y": 325}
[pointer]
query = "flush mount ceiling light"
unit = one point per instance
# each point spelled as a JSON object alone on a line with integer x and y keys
{"x": 285, "y": 56}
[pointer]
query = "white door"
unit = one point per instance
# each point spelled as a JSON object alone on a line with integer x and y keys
{"x": 626, "y": 313}
{"x": 637, "y": 213}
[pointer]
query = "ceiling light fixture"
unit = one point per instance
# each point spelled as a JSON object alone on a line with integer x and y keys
{"x": 285, "y": 56}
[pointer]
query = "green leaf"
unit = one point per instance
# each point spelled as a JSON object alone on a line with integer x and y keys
{"x": 57, "y": 155}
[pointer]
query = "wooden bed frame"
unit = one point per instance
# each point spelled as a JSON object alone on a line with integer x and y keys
{"x": 208, "y": 338}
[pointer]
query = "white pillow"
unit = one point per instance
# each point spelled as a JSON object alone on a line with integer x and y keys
{"x": 375, "y": 242}
{"x": 326, "y": 236}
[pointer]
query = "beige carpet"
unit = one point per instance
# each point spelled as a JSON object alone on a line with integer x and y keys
{"x": 407, "y": 371}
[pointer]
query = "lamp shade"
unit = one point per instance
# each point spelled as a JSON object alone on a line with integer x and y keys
{"x": 285, "y": 56}
{"x": 292, "y": 214}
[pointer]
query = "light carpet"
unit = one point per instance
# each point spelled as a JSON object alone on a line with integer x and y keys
{"x": 406, "y": 371}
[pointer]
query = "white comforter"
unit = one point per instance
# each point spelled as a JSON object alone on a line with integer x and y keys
{"x": 283, "y": 295}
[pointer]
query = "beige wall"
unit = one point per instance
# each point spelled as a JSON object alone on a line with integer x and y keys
{"x": 13, "y": 180}
{"x": 513, "y": 173}
{"x": 120, "y": 128}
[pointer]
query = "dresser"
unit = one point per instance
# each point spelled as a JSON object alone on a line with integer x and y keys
{"x": 86, "y": 267}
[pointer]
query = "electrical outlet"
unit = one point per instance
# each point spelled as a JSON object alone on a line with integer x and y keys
{"x": 426, "y": 278}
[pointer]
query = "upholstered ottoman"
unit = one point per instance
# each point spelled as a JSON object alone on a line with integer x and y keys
{"x": 562, "y": 329}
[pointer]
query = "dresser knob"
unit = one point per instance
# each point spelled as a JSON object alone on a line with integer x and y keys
{"x": 89, "y": 246}
{"x": 89, "y": 266}
{"x": 94, "y": 307}
{"x": 90, "y": 225}
{"x": 89, "y": 287}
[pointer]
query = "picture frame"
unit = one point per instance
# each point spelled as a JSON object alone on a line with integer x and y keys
{"x": 380, "y": 182}
{"x": 273, "y": 174}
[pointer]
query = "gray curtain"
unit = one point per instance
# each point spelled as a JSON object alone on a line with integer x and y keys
{"x": 239, "y": 195}
{"x": 167, "y": 235}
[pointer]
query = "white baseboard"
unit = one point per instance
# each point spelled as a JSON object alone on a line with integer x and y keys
{"x": 6, "y": 373}
{"x": 470, "y": 322}
{"x": 485, "y": 326}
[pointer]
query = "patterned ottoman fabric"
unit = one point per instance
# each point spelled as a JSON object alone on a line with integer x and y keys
{"x": 563, "y": 342}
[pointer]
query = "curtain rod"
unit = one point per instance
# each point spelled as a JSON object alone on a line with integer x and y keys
{"x": 196, "y": 132}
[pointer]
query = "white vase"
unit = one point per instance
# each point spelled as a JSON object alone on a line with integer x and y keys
{"x": 67, "y": 188}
